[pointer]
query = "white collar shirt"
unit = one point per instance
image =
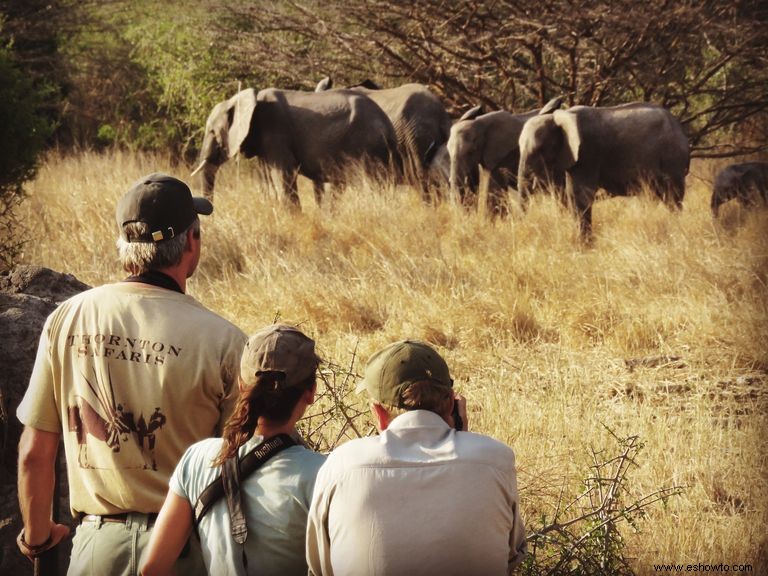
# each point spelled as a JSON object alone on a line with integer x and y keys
{"x": 419, "y": 499}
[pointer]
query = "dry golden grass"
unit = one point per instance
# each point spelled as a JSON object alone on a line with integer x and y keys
{"x": 535, "y": 327}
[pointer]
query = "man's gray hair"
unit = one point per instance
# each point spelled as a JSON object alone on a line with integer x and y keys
{"x": 141, "y": 257}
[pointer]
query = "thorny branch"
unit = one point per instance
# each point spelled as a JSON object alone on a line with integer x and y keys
{"x": 706, "y": 61}
{"x": 591, "y": 542}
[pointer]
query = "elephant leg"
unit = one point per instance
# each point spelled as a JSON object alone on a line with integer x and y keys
{"x": 290, "y": 188}
{"x": 334, "y": 191}
{"x": 585, "y": 222}
{"x": 583, "y": 207}
{"x": 752, "y": 192}
{"x": 525, "y": 199}
{"x": 678, "y": 192}
{"x": 581, "y": 196}
{"x": 429, "y": 194}
{"x": 469, "y": 188}
{"x": 495, "y": 202}
{"x": 469, "y": 199}
{"x": 671, "y": 189}
{"x": 319, "y": 188}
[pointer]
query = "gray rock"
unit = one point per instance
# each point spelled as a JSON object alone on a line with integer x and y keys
{"x": 28, "y": 294}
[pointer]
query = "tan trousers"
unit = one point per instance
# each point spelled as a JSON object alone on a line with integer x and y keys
{"x": 100, "y": 548}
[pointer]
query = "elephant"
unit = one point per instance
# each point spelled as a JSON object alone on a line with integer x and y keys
{"x": 488, "y": 141}
{"x": 316, "y": 135}
{"x": 421, "y": 122}
{"x": 747, "y": 182}
{"x": 614, "y": 148}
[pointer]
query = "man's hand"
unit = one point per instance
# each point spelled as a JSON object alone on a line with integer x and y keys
{"x": 34, "y": 549}
{"x": 460, "y": 404}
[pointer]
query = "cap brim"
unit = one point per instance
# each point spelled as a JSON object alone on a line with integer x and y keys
{"x": 202, "y": 205}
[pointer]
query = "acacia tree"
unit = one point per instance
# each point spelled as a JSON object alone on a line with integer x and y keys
{"x": 706, "y": 61}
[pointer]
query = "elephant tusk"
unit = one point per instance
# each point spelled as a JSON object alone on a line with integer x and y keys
{"x": 196, "y": 170}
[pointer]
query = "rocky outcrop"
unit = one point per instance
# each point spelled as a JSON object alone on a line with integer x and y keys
{"x": 27, "y": 295}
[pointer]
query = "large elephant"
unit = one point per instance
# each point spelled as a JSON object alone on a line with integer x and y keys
{"x": 616, "y": 149}
{"x": 489, "y": 142}
{"x": 421, "y": 122}
{"x": 317, "y": 135}
{"x": 747, "y": 182}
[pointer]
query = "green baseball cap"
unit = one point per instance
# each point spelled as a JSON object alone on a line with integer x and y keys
{"x": 392, "y": 369}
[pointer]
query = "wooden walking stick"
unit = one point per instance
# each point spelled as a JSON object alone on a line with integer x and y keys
{"x": 47, "y": 564}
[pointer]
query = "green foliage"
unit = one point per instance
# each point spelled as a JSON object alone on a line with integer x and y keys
{"x": 144, "y": 74}
{"x": 23, "y": 135}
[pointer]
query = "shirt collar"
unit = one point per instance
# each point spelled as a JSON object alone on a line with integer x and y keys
{"x": 417, "y": 419}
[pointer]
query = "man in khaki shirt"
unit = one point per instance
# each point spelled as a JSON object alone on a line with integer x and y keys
{"x": 129, "y": 375}
{"x": 422, "y": 497}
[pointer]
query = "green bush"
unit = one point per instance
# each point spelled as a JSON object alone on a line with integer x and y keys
{"x": 23, "y": 135}
{"x": 144, "y": 76}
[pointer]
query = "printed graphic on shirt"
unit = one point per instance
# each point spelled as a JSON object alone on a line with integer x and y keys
{"x": 117, "y": 347}
{"x": 99, "y": 422}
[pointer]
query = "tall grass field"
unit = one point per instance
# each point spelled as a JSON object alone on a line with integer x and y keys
{"x": 658, "y": 329}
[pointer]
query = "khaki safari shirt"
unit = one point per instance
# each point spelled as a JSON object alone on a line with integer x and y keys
{"x": 420, "y": 498}
{"x": 132, "y": 375}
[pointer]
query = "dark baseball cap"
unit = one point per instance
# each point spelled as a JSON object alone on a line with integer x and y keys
{"x": 279, "y": 348}
{"x": 391, "y": 370}
{"x": 164, "y": 203}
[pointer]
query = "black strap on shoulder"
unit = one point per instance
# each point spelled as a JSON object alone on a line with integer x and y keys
{"x": 237, "y": 470}
{"x": 230, "y": 475}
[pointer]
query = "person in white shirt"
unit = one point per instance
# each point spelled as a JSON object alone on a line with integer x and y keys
{"x": 422, "y": 497}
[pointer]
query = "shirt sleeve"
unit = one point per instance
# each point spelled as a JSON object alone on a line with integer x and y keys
{"x": 318, "y": 540}
{"x": 179, "y": 479}
{"x": 38, "y": 407}
{"x": 518, "y": 546}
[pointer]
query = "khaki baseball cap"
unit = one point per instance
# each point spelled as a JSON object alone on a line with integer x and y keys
{"x": 279, "y": 348}
{"x": 392, "y": 369}
{"x": 162, "y": 202}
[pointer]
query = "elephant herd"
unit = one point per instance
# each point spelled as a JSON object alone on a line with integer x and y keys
{"x": 407, "y": 131}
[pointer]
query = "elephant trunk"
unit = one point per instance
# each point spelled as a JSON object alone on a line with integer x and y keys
{"x": 212, "y": 156}
{"x": 523, "y": 184}
{"x": 209, "y": 177}
{"x": 465, "y": 182}
{"x": 715, "y": 203}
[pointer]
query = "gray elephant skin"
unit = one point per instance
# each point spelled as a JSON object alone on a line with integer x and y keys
{"x": 488, "y": 142}
{"x": 746, "y": 182}
{"x": 421, "y": 122}
{"x": 317, "y": 135}
{"x": 615, "y": 148}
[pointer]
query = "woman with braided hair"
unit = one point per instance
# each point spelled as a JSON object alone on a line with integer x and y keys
{"x": 259, "y": 525}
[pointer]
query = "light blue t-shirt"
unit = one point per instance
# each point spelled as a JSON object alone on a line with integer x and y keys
{"x": 275, "y": 498}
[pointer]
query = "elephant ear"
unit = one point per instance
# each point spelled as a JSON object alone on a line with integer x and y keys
{"x": 368, "y": 84}
{"x": 472, "y": 113}
{"x": 241, "y": 110}
{"x": 569, "y": 152}
{"x": 552, "y": 105}
{"x": 324, "y": 84}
